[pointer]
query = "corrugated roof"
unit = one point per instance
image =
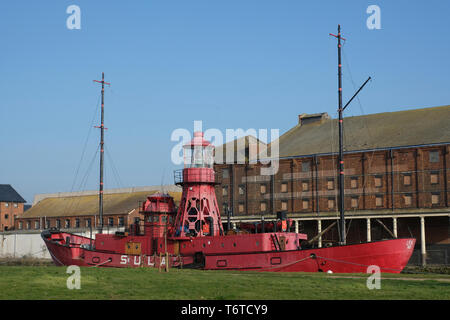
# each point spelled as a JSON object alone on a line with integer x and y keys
{"x": 8, "y": 194}
{"x": 116, "y": 203}
{"x": 380, "y": 130}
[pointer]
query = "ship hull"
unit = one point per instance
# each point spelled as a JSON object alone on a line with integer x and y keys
{"x": 390, "y": 256}
{"x": 65, "y": 248}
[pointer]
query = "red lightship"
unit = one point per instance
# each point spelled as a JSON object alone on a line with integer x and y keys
{"x": 192, "y": 236}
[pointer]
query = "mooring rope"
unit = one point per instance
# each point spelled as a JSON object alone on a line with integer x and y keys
{"x": 356, "y": 264}
{"x": 286, "y": 265}
{"x": 101, "y": 263}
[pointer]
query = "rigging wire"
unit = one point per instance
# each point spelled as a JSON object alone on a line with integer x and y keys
{"x": 85, "y": 178}
{"x": 371, "y": 157}
{"x": 83, "y": 151}
{"x": 114, "y": 169}
{"x": 85, "y": 143}
{"x": 162, "y": 180}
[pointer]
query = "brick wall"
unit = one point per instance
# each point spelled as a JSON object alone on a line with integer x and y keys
{"x": 9, "y": 211}
{"x": 380, "y": 180}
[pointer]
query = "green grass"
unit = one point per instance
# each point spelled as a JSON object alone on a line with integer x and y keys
{"x": 44, "y": 282}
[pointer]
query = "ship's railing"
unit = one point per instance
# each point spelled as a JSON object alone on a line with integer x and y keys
{"x": 196, "y": 176}
{"x": 178, "y": 176}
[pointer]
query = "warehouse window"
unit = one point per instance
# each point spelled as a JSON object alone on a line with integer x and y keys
{"x": 306, "y": 166}
{"x": 20, "y": 225}
{"x": 67, "y": 223}
{"x": 28, "y": 225}
{"x": 407, "y": 180}
{"x": 434, "y": 177}
{"x": 378, "y": 181}
{"x": 305, "y": 186}
{"x": 241, "y": 189}
{"x": 225, "y": 173}
{"x": 379, "y": 201}
{"x": 15, "y": 205}
{"x": 241, "y": 207}
{"x": 225, "y": 191}
{"x": 330, "y": 203}
{"x": 305, "y": 204}
{"x": 88, "y": 223}
{"x": 435, "y": 198}
{"x": 225, "y": 207}
{"x": 354, "y": 202}
{"x": 330, "y": 184}
{"x": 47, "y": 224}
{"x": 77, "y": 223}
{"x": 263, "y": 206}
{"x": 111, "y": 222}
{"x": 434, "y": 156}
{"x": 284, "y": 187}
{"x": 58, "y": 223}
{"x": 408, "y": 199}
{"x": 121, "y": 221}
{"x": 354, "y": 183}
{"x": 284, "y": 205}
{"x": 36, "y": 224}
{"x": 263, "y": 189}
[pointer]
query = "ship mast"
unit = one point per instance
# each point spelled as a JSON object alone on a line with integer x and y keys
{"x": 341, "y": 158}
{"x": 102, "y": 142}
{"x": 341, "y": 176}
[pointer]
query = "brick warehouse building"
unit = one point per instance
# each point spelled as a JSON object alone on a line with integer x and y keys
{"x": 396, "y": 180}
{"x": 79, "y": 210}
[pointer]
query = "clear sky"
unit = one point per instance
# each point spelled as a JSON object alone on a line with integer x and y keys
{"x": 232, "y": 64}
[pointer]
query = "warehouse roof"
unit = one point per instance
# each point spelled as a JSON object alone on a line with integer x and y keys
{"x": 114, "y": 203}
{"x": 8, "y": 194}
{"x": 320, "y": 134}
{"x": 243, "y": 148}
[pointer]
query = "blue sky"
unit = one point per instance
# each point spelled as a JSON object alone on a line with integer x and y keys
{"x": 233, "y": 64}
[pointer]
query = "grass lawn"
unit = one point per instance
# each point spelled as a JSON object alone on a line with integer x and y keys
{"x": 49, "y": 282}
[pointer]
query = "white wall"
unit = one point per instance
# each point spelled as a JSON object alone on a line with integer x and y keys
{"x": 16, "y": 244}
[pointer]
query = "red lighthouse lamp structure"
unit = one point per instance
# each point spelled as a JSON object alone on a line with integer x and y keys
{"x": 198, "y": 213}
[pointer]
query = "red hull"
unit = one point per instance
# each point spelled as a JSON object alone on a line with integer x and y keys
{"x": 65, "y": 249}
{"x": 391, "y": 256}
